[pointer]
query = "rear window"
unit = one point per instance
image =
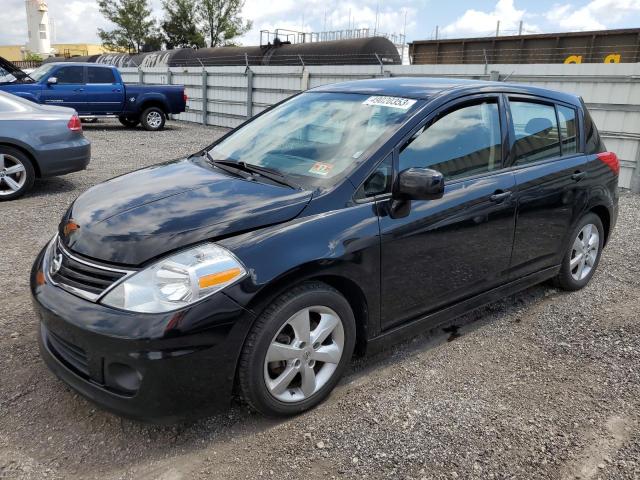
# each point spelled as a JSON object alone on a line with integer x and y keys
{"x": 536, "y": 131}
{"x": 100, "y": 75}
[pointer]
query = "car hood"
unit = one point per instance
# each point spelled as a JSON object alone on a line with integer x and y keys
{"x": 139, "y": 216}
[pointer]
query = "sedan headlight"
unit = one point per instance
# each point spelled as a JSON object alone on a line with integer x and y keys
{"x": 178, "y": 280}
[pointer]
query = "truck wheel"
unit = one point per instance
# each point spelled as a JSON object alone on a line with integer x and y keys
{"x": 153, "y": 119}
{"x": 129, "y": 122}
{"x": 16, "y": 173}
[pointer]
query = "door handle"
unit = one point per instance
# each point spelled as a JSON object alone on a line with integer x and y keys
{"x": 500, "y": 196}
{"x": 576, "y": 177}
{"x": 116, "y": 90}
{"x": 79, "y": 90}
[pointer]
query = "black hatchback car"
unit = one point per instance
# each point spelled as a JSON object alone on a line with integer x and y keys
{"x": 340, "y": 220}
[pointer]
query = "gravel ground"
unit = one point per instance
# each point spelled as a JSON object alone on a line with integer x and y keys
{"x": 543, "y": 384}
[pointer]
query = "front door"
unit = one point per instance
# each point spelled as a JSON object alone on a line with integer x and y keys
{"x": 68, "y": 91}
{"x": 436, "y": 252}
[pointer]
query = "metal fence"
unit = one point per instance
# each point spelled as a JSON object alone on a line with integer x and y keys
{"x": 227, "y": 96}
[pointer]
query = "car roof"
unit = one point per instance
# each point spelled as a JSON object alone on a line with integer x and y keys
{"x": 79, "y": 64}
{"x": 425, "y": 88}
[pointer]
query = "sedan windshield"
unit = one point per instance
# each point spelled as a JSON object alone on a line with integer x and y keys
{"x": 316, "y": 138}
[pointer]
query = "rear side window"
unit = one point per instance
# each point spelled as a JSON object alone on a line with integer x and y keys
{"x": 568, "y": 129}
{"x": 100, "y": 75}
{"x": 592, "y": 138}
{"x": 70, "y": 75}
{"x": 536, "y": 131}
{"x": 462, "y": 143}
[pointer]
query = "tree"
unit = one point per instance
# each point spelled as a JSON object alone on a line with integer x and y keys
{"x": 179, "y": 26}
{"x": 222, "y": 21}
{"x": 134, "y": 25}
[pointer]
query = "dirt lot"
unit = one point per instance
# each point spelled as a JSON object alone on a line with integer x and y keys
{"x": 541, "y": 385}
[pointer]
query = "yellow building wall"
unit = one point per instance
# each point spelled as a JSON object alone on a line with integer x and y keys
{"x": 14, "y": 53}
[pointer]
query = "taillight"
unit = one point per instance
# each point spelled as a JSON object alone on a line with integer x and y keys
{"x": 75, "y": 125}
{"x": 611, "y": 160}
{"x": 184, "y": 95}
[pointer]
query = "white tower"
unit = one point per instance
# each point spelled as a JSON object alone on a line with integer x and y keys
{"x": 39, "y": 32}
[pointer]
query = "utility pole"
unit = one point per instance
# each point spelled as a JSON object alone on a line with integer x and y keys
{"x": 404, "y": 35}
{"x": 437, "y": 27}
{"x": 498, "y": 28}
{"x": 520, "y": 28}
{"x": 375, "y": 30}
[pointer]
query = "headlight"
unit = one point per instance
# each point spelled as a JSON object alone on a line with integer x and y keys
{"x": 178, "y": 280}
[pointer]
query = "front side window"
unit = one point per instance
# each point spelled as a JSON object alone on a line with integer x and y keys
{"x": 100, "y": 75}
{"x": 379, "y": 182}
{"x": 69, "y": 75}
{"x": 536, "y": 131}
{"x": 462, "y": 143}
{"x": 317, "y": 137}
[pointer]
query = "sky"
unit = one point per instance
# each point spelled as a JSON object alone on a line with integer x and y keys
{"x": 77, "y": 21}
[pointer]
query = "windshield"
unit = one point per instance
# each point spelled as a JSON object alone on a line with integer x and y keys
{"x": 6, "y": 76}
{"x": 41, "y": 71}
{"x": 317, "y": 138}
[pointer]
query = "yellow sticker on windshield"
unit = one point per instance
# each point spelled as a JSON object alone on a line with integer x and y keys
{"x": 392, "y": 102}
{"x": 320, "y": 168}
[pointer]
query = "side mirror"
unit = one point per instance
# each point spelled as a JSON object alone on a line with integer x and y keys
{"x": 52, "y": 81}
{"x": 419, "y": 184}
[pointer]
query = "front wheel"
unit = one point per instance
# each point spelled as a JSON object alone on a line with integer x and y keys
{"x": 583, "y": 254}
{"x": 297, "y": 350}
{"x": 153, "y": 119}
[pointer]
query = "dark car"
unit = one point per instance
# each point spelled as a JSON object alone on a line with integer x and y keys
{"x": 37, "y": 141}
{"x": 343, "y": 219}
{"x": 95, "y": 91}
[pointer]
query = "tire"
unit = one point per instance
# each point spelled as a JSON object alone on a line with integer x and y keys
{"x": 16, "y": 184}
{"x": 574, "y": 272}
{"x": 302, "y": 390}
{"x": 129, "y": 122}
{"x": 153, "y": 119}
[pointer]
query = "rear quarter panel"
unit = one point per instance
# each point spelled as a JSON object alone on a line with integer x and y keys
{"x": 169, "y": 96}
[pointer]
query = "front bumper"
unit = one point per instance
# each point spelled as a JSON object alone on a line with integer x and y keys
{"x": 159, "y": 368}
{"x": 65, "y": 157}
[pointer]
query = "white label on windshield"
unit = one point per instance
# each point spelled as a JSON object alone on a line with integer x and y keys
{"x": 393, "y": 102}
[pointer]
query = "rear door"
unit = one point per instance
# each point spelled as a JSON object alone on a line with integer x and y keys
{"x": 105, "y": 96}
{"x": 552, "y": 176}
{"x": 69, "y": 89}
{"x": 437, "y": 252}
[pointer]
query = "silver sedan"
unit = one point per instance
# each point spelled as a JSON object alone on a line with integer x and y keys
{"x": 37, "y": 141}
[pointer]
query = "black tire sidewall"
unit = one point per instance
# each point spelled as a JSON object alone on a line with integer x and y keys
{"x": 128, "y": 122}
{"x": 258, "y": 394}
{"x": 30, "y": 171}
{"x": 146, "y": 112}
{"x": 564, "y": 279}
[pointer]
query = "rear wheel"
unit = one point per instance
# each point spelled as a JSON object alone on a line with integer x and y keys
{"x": 129, "y": 122}
{"x": 297, "y": 350}
{"x": 583, "y": 255}
{"x": 153, "y": 119}
{"x": 16, "y": 173}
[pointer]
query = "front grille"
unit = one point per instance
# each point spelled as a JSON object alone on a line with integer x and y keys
{"x": 70, "y": 354}
{"x": 81, "y": 277}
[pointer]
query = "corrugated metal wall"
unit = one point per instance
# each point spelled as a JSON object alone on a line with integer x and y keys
{"x": 611, "y": 91}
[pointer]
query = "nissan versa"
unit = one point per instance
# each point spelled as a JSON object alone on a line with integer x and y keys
{"x": 340, "y": 220}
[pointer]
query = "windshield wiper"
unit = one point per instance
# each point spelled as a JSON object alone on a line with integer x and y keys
{"x": 269, "y": 173}
{"x": 233, "y": 170}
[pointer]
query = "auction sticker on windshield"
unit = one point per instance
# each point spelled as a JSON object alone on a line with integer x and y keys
{"x": 320, "y": 168}
{"x": 393, "y": 102}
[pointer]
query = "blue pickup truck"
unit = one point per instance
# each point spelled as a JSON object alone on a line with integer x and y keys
{"x": 95, "y": 91}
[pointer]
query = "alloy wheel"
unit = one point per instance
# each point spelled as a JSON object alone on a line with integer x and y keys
{"x": 154, "y": 119}
{"x": 304, "y": 354}
{"x": 13, "y": 174}
{"x": 584, "y": 252}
